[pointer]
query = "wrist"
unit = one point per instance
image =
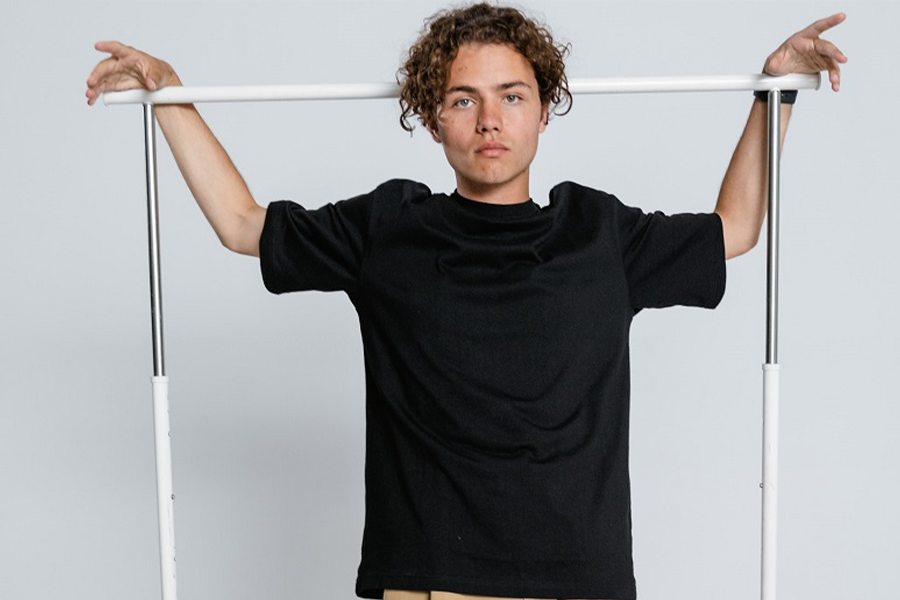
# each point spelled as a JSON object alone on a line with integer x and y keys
{"x": 174, "y": 79}
{"x": 787, "y": 96}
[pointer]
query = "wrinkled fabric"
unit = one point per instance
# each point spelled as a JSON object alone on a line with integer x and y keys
{"x": 495, "y": 343}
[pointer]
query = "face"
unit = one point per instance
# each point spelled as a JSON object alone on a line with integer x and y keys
{"x": 491, "y": 97}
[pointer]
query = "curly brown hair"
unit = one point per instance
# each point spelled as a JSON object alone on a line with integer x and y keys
{"x": 423, "y": 77}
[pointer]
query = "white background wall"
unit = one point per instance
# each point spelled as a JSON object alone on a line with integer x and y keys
{"x": 267, "y": 392}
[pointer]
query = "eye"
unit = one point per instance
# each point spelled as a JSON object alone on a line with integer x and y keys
{"x": 462, "y": 100}
{"x": 514, "y": 97}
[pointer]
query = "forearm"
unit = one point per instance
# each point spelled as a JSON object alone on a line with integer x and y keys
{"x": 743, "y": 197}
{"x": 216, "y": 184}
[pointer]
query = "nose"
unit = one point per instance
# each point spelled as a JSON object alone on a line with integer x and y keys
{"x": 489, "y": 118}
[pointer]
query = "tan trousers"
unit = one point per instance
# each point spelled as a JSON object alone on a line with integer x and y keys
{"x": 410, "y": 595}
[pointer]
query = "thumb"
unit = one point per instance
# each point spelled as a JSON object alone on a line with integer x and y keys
{"x": 152, "y": 78}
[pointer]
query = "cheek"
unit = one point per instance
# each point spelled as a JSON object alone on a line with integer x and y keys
{"x": 452, "y": 134}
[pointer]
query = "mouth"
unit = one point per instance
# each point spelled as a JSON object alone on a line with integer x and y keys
{"x": 491, "y": 149}
{"x": 492, "y": 152}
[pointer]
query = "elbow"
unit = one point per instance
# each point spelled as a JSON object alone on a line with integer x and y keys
{"x": 734, "y": 249}
{"x": 244, "y": 236}
{"x": 230, "y": 240}
{"x": 737, "y": 241}
{"x": 241, "y": 246}
{"x": 743, "y": 248}
{"x": 753, "y": 243}
{"x": 229, "y": 244}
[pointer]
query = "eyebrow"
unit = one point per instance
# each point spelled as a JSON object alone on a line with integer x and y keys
{"x": 470, "y": 90}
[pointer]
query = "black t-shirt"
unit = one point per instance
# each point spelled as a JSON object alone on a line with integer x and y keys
{"x": 495, "y": 340}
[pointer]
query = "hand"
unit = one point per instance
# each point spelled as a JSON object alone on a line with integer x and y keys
{"x": 127, "y": 68}
{"x": 805, "y": 52}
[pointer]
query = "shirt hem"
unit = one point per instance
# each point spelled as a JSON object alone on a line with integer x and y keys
{"x": 372, "y": 585}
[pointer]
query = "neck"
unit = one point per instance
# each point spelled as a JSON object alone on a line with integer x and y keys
{"x": 511, "y": 193}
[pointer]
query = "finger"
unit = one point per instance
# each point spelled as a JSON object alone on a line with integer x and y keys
{"x": 97, "y": 81}
{"x": 100, "y": 71}
{"x": 108, "y": 75}
{"x": 105, "y": 66}
{"x": 829, "y": 57}
{"x": 835, "y": 52}
{"x": 826, "y": 48}
{"x": 834, "y": 76}
{"x": 115, "y": 48}
{"x": 114, "y": 80}
{"x": 826, "y": 60}
{"x": 825, "y": 24}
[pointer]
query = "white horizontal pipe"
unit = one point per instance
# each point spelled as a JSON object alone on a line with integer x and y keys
{"x": 348, "y": 91}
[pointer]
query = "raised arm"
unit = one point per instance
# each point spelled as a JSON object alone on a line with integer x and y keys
{"x": 216, "y": 184}
{"x": 743, "y": 197}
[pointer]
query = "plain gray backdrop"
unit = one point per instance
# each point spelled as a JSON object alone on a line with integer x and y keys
{"x": 267, "y": 396}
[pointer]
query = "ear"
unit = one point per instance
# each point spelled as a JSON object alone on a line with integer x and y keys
{"x": 545, "y": 112}
{"x": 435, "y": 133}
{"x": 435, "y": 136}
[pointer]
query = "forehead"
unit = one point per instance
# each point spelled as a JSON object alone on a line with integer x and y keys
{"x": 488, "y": 63}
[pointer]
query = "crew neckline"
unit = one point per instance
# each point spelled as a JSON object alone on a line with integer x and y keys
{"x": 488, "y": 209}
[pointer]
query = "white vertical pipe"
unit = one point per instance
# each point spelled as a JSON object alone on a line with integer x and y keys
{"x": 770, "y": 480}
{"x": 164, "y": 496}
{"x": 771, "y": 367}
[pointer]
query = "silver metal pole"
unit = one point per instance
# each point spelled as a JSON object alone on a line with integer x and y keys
{"x": 159, "y": 365}
{"x": 772, "y": 271}
{"x": 771, "y": 367}
{"x": 164, "y": 496}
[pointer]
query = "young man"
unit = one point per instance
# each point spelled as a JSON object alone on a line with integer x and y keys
{"x": 495, "y": 331}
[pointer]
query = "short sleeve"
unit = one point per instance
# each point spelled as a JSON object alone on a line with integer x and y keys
{"x": 320, "y": 249}
{"x": 672, "y": 260}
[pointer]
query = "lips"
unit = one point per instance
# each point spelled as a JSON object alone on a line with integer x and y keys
{"x": 491, "y": 146}
{"x": 491, "y": 149}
